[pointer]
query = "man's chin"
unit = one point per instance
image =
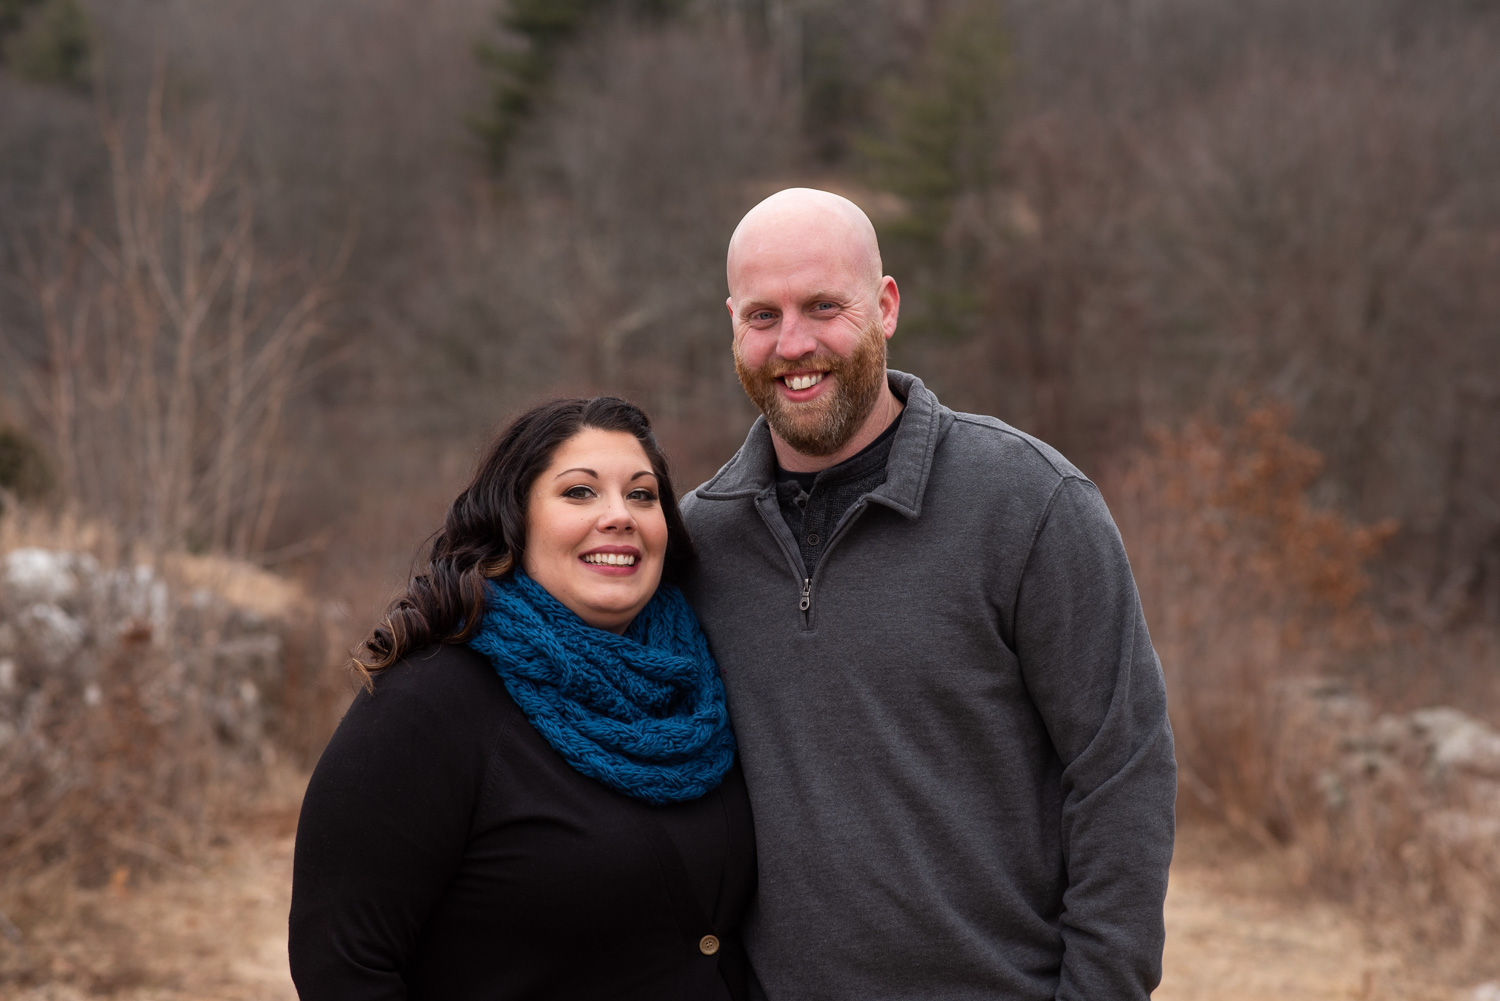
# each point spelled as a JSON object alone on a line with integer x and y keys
{"x": 807, "y": 433}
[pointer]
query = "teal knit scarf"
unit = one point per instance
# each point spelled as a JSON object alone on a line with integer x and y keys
{"x": 643, "y": 712}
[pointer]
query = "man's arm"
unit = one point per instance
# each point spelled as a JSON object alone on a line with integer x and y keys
{"x": 1088, "y": 663}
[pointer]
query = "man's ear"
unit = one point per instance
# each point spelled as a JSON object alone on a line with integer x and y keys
{"x": 890, "y": 305}
{"x": 729, "y": 304}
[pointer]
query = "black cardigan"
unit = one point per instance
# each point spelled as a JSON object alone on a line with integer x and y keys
{"x": 445, "y": 851}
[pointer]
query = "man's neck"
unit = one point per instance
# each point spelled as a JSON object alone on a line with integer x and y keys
{"x": 886, "y": 409}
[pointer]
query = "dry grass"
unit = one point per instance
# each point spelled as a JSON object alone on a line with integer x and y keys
{"x": 128, "y": 751}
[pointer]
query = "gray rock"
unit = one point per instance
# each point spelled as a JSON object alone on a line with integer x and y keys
{"x": 136, "y": 597}
{"x": 1467, "y": 745}
{"x": 49, "y": 576}
{"x": 51, "y": 632}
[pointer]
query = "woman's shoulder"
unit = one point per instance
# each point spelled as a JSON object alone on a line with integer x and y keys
{"x": 437, "y": 715}
{"x": 442, "y": 681}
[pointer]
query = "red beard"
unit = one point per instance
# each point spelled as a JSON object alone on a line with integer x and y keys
{"x": 825, "y": 425}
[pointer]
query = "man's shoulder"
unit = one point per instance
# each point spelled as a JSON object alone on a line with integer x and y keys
{"x": 985, "y": 446}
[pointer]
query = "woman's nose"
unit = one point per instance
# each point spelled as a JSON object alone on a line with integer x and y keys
{"x": 616, "y": 516}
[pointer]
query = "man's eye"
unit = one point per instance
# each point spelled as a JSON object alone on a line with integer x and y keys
{"x": 762, "y": 314}
{"x": 578, "y": 493}
{"x": 826, "y": 305}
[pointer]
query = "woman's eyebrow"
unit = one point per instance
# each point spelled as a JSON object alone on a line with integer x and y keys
{"x": 585, "y": 469}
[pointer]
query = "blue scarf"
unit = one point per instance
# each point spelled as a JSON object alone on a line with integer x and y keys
{"x": 643, "y": 712}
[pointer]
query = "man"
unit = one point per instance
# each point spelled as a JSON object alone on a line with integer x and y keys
{"x": 951, "y": 719}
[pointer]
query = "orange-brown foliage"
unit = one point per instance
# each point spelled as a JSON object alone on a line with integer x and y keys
{"x": 1246, "y": 584}
{"x": 1256, "y": 599}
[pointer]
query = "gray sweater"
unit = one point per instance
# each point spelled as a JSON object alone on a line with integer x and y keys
{"x": 954, "y": 734}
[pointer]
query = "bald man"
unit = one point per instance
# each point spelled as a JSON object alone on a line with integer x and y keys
{"x": 949, "y": 712}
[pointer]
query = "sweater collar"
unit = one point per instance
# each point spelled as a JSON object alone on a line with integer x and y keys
{"x": 752, "y": 470}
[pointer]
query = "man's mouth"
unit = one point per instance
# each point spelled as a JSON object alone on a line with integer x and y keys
{"x": 802, "y": 380}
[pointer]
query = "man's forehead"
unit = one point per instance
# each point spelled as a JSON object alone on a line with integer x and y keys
{"x": 797, "y": 269}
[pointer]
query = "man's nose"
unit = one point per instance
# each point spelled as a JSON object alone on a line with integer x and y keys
{"x": 795, "y": 338}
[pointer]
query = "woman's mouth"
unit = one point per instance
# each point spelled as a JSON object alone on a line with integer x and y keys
{"x": 609, "y": 559}
{"x": 613, "y": 561}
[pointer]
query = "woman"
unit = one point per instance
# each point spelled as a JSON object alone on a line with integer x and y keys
{"x": 536, "y": 794}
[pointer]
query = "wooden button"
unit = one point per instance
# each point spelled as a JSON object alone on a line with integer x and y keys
{"x": 708, "y": 945}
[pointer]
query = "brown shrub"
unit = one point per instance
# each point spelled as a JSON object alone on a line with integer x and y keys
{"x": 1246, "y": 584}
{"x": 1256, "y": 601}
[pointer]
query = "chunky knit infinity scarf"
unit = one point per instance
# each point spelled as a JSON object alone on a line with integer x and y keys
{"x": 643, "y": 712}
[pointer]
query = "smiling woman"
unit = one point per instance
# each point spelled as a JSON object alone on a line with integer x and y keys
{"x": 541, "y": 751}
{"x": 596, "y": 528}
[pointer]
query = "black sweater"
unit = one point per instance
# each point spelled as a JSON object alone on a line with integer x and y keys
{"x": 446, "y": 851}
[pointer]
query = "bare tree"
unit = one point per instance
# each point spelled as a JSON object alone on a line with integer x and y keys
{"x": 171, "y": 350}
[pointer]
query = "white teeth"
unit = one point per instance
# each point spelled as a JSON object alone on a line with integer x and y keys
{"x": 610, "y": 559}
{"x": 803, "y": 381}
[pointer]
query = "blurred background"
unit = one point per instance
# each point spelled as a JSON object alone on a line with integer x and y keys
{"x": 271, "y": 271}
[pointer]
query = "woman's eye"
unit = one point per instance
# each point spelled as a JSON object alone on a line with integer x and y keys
{"x": 642, "y": 495}
{"x": 578, "y": 493}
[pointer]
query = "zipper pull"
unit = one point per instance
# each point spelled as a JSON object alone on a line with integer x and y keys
{"x": 806, "y": 601}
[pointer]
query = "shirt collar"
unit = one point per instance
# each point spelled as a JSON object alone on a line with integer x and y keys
{"x": 752, "y": 470}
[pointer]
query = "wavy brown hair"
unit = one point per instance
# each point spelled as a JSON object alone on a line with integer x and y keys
{"x": 484, "y": 534}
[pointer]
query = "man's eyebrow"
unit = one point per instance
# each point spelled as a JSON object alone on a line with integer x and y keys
{"x": 816, "y": 295}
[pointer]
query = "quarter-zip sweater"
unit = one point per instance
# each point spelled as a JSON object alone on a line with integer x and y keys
{"x": 812, "y": 505}
{"x": 954, "y": 730}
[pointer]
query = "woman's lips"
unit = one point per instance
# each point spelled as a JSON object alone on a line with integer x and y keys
{"x": 612, "y": 561}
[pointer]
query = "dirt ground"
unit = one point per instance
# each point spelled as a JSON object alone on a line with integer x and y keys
{"x": 1236, "y": 931}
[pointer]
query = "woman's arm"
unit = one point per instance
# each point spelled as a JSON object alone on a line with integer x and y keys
{"x": 383, "y": 827}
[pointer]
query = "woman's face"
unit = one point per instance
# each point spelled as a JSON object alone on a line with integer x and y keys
{"x": 595, "y": 532}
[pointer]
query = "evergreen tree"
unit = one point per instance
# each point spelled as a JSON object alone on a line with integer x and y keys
{"x": 47, "y": 44}
{"x": 936, "y": 141}
{"x": 541, "y": 31}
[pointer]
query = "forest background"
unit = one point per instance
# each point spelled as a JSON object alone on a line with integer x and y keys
{"x": 271, "y": 270}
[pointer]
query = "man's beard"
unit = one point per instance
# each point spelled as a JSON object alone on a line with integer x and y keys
{"x": 825, "y": 425}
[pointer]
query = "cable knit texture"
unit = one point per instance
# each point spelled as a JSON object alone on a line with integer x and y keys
{"x": 643, "y": 712}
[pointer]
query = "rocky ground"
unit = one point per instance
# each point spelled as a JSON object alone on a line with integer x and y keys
{"x": 1236, "y": 931}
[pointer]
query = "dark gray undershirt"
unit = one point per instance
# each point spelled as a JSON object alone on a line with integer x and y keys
{"x": 813, "y": 503}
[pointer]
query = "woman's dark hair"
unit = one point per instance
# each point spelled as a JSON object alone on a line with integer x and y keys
{"x": 484, "y": 534}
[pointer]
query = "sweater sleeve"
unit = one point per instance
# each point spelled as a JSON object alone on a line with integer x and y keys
{"x": 1088, "y": 663}
{"x": 383, "y": 827}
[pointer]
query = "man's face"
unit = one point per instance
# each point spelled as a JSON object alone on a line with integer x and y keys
{"x": 809, "y": 341}
{"x": 817, "y": 402}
